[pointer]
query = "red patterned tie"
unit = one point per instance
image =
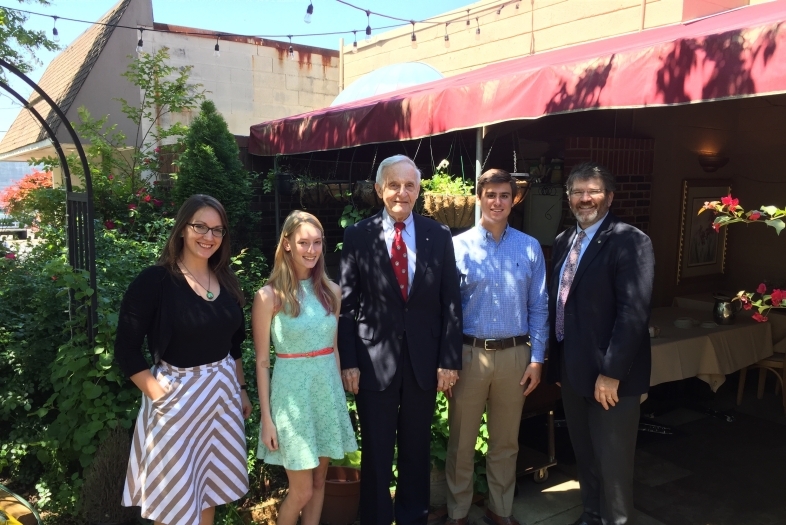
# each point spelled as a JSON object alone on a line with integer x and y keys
{"x": 398, "y": 258}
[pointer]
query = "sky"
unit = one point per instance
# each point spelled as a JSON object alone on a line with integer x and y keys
{"x": 246, "y": 17}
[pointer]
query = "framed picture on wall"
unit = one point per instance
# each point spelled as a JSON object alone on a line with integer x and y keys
{"x": 702, "y": 250}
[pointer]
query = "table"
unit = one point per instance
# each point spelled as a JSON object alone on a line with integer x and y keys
{"x": 706, "y": 353}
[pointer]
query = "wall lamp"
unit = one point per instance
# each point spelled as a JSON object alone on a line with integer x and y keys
{"x": 711, "y": 163}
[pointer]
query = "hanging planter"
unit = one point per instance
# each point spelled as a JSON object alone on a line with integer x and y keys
{"x": 339, "y": 190}
{"x": 312, "y": 193}
{"x": 366, "y": 193}
{"x": 522, "y": 187}
{"x": 448, "y": 199}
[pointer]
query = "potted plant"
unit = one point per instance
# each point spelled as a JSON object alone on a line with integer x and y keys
{"x": 365, "y": 192}
{"x": 342, "y": 491}
{"x": 448, "y": 199}
{"x": 102, "y": 490}
{"x": 312, "y": 191}
{"x": 339, "y": 190}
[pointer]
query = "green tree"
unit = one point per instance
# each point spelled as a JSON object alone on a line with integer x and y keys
{"x": 211, "y": 164}
{"x": 17, "y": 44}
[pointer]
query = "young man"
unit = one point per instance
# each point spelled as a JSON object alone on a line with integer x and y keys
{"x": 505, "y": 311}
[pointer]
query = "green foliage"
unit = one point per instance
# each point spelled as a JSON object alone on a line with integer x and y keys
{"x": 443, "y": 183}
{"x": 211, "y": 164}
{"x": 17, "y": 44}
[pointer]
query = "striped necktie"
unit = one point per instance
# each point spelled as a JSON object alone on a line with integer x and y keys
{"x": 565, "y": 283}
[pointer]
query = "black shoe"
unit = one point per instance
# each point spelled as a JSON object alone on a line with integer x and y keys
{"x": 588, "y": 519}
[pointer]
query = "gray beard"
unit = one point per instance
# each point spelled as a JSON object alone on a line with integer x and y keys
{"x": 593, "y": 215}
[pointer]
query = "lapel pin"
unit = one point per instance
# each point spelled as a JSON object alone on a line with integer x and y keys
{"x": 598, "y": 241}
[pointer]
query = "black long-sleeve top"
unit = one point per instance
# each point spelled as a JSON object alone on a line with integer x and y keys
{"x": 181, "y": 327}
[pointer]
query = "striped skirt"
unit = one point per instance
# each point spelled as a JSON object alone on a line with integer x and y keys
{"x": 189, "y": 446}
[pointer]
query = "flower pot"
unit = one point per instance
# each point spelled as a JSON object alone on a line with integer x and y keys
{"x": 312, "y": 193}
{"x": 439, "y": 488}
{"x": 365, "y": 192}
{"x": 339, "y": 190}
{"x": 342, "y": 496}
{"x": 454, "y": 211}
{"x": 522, "y": 187}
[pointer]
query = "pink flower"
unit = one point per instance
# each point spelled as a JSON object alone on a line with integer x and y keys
{"x": 747, "y": 305}
{"x": 147, "y": 198}
{"x": 760, "y": 318}
{"x": 762, "y": 288}
{"x": 157, "y": 203}
{"x": 110, "y": 177}
{"x": 10, "y": 255}
{"x": 754, "y": 216}
{"x": 109, "y": 225}
{"x": 157, "y": 150}
{"x": 131, "y": 206}
{"x": 777, "y": 296}
{"x": 730, "y": 202}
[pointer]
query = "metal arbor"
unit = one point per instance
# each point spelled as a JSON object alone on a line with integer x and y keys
{"x": 80, "y": 229}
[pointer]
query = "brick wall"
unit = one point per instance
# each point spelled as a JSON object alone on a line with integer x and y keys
{"x": 630, "y": 161}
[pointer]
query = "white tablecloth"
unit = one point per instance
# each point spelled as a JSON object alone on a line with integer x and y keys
{"x": 706, "y": 353}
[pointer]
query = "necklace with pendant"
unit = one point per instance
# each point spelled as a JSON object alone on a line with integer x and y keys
{"x": 209, "y": 295}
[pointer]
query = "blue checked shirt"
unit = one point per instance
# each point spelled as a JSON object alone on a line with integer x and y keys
{"x": 503, "y": 286}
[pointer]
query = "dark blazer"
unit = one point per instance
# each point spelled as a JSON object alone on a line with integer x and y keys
{"x": 375, "y": 318}
{"x": 607, "y": 310}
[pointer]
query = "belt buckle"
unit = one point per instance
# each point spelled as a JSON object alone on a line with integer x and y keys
{"x": 486, "y": 344}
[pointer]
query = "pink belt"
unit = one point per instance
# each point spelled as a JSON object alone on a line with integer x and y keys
{"x": 315, "y": 353}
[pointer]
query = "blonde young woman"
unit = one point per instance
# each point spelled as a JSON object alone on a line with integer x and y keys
{"x": 304, "y": 419}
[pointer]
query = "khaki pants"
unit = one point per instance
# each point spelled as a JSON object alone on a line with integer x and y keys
{"x": 489, "y": 380}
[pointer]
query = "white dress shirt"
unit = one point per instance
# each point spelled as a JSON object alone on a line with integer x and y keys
{"x": 408, "y": 235}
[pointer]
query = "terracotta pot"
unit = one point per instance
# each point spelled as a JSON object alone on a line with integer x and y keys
{"x": 342, "y": 496}
{"x": 523, "y": 188}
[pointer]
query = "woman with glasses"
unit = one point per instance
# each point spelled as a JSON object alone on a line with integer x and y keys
{"x": 189, "y": 445}
{"x": 304, "y": 419}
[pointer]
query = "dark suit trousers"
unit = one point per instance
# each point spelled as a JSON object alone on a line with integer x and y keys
{"x": 604, "y": 442}
{"x": 401, "y": 413}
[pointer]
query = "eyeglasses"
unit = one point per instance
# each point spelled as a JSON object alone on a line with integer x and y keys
{"x": 202, "y": 229}
{"x": 592, "y": 193}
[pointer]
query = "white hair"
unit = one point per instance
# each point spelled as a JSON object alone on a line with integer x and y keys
{"x": 390, "y": 161}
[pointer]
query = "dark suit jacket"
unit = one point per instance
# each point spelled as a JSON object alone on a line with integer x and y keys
{"x": 375, "y": 318}
{"x": 607, "y": 310}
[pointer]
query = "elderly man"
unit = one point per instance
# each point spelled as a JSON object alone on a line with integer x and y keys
{"x": 505, "y": 306}
{"x": 399, "y": 338}
{"x": 599, "y": 304}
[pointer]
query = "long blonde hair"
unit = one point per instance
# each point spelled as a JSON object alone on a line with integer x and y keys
{"x": 283, "y": 278}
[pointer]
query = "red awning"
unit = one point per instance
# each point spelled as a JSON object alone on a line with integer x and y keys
{"x": 735, "y": 54}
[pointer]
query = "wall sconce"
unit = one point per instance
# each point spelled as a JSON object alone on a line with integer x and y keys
{"x": 711, "y": 163}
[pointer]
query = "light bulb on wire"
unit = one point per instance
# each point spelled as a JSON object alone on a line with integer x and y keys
{"x": 216, "y": 52}
{"x": 355, "y": 43}
{"x": 55, "y": 34}
{"x": 447, "y": 37}
{"x": 291, "y": 51}
{"x": 414, "y": 38}
{"x": 140, "y": 44}
{"x": 309, "y": 12}
{"x": 468, "y": 22}
{"x": 477, "y": 30}
{"x": 368, "y": 26}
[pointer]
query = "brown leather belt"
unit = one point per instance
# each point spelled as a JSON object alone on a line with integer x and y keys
{"x": 496, "y": 344}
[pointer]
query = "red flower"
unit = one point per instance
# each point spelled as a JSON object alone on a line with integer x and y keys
{"x": 157, "y": 203}
{"x": 716, "y": 226}
{"x": 147, "y": 198}
{"x": 777, "y": 297}
{"x": 147, "y": 161}
{"x": 747, "y": 305}
{"x": 760, "y": 318}
{"x": 155, "y": 182}
{"x": 109, "y": 225}
{"x": 730, "y": 202}
{"x": 157, "y": 150}
{"x": 762, "y": 288}
{"x": 754, "y": 216}
{"x": 54, "y": 277}
{"x": 131, "y": 206}
{"x": 110, "y": 177}
{"x": 10, "y": 255}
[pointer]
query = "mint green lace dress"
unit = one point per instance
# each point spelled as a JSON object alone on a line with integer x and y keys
{"x": 307, "y": 400}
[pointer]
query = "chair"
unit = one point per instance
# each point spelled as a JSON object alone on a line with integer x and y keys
{"x": 775, "y": 364}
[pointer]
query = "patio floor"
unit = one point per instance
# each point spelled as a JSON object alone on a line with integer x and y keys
{"x": 708, "y": 472}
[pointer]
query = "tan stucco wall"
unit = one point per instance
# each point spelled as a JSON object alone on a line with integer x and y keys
{"x": 252, "y": 82}
{"x": 557, "y": 23}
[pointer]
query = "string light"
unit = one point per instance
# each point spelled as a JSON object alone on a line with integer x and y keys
{"x": 468, "y": 23}
{"x": 309, "y": 12}
{"x": 477, "y": 31}
{"x": 518, "y": 4}
{"x": 216, "y": 52}
{"x": 291, "y": 51}
{"x": 355, "y": 43}
{"x": 55, "y": 34}
{"x": 368, "y": 26}
{"x": 447, "y": 37}
{"x": 499, "y": 11}
{"x": 414, "y": 38}
{"x": 139, "y": 44}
